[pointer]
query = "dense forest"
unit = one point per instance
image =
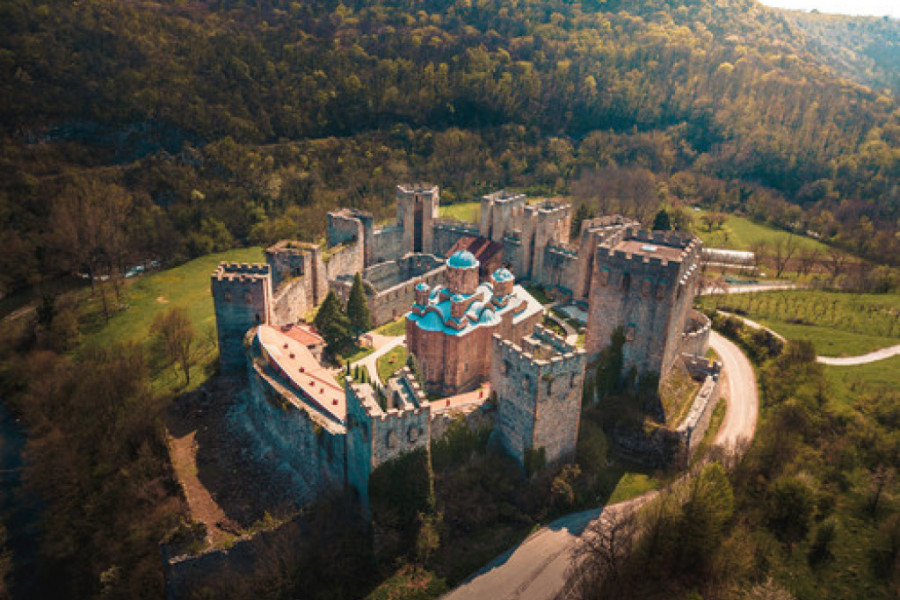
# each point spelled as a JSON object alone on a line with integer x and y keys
{"x": 221, "y": 123}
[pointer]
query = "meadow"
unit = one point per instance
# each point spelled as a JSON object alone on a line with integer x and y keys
{"x": 740, "y": 233}
{"x": 187, "y": 286}
{"x": 837, "y": 323}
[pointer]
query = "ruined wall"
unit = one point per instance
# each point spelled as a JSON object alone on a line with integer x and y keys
{"x": 512, "y": 253}
{"x": 694, "y": 426}
{"x": 560, "y": 268}
{"x": 291, "y": 301}
{"x": 501, "y": 213}
{"x": 242, "y": 297}
{"x": 417, "y": 209}
{"x": 538, "y": 386}
{"x": 387, "y": 244}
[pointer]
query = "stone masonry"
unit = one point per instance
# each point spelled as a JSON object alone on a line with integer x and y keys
{"x": 538, "y": 386}
{"x": 242, "y": 295}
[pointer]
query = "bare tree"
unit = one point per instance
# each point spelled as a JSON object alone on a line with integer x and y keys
{"x": 782, "y": 251}
{"x": 807, "y": 259}
{"x": 599, "y": 558}
{"x": 172, "y": 339}
{"x": 835, "y": 262}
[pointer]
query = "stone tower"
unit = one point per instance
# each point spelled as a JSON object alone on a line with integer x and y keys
{"x": 501, "y": 214}
{"x": 538, "y": 387}
{"x": 241, "y": 295}
{"x": 645, "y": 283}
{"x": 348, "y": 225}
{"x": 417, "y": 208}
{"x": 376, "y": 435}
{"x": 544, "y": 224}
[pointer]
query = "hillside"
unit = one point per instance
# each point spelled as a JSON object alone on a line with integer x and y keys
{"x": 228, "y": 123}
{"x": 862, "y": 49}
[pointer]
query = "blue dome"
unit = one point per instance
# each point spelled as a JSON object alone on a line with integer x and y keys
{"x": 503, "y": 275}
{"x": 462, "y": 259}
{"x": 457, "y": 298}
{"x": 422, "y": 286}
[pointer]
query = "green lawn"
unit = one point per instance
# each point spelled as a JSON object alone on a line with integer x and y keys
{"x": 848, "y": 382}
{"x": 391, "y": 362}
{"x": 353, "y": 354}
{"x": 470, "y": 212}
{"x": 740, "y": 233}
{"x": 539, "y": 294}
{"x": 393, "y": 328}
{"x": 837, "y": 323}
{"x": 186, "y": 285}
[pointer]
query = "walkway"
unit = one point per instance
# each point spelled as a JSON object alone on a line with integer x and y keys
{"x": 836, "y": 361}
{"x": 536, "y": 569}
{"x": 370, "y": 362}
{"x": 751, "y": 287}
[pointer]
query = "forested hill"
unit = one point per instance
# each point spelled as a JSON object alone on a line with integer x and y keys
{"x": 231, "y": 121}
{"x": 864, "y": 49}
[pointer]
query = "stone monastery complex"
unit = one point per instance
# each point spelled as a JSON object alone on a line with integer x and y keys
{"x": 477, "y": 337}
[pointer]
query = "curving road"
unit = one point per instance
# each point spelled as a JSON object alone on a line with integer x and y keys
{"x": 536, "y": 568}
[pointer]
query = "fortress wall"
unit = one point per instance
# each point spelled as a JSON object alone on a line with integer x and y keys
{"x": 294, "y": 440}
{"x": 387, "y": 244}
{"x": 695, "y": 340}
{"x": 348, "y": 259}
{"x": 560, "y": 268}
{"x": 512, "y": 253}
{"x": 475, "y": 416}
{"x": 292, "y": 300}
{"x": 242, "y": 299}
{"x": 447, "y": 233}
{"x": 694, "y": 426}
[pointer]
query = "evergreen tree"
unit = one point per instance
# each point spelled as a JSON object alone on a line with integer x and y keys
{"x": 358, "y": 308}
{"x": 661, "y": 221}
{"x": 332, "y": 323}
{"x": 581, "y": 213}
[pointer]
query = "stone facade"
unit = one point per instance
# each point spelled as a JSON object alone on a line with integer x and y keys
{"x": 538, "y": 386}
{"x": 644, "y": 283}
{"x": 417, "y": 209}
{"x": 242, "y": 296}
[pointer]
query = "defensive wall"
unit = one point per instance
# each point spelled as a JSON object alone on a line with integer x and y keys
{"x": 390, "y": 286}
{"x": 695, "y": 338}
{"x": 538, "y": 386}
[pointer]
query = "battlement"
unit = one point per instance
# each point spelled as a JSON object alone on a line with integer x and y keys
{"x": 504, "y": 197}
{"x": 663, "y": 251}
{"x": 417, "y": 188}
{"x": 292, "y": 247}
{"x": 542, "y": 354}
{"x": 549, "y": 209}
{"x": 233, "y": 271}
{"x": 563, "y": 251}
{"x": 406, "y": 392}
{"x": 403, "y": 389}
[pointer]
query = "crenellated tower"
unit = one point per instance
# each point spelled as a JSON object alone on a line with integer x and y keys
{"x": 538, "y": 386}
{"x": 644, "y": 282}
{"x": 417, "y": 209}
{"x": 242, "y": 296}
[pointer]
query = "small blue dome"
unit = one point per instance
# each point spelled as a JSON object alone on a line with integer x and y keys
{"x": 457, "y": 298}
{"x": 422, "y": 286}
{"x": 503, "y": 275}
{"x": 462, "y": 259}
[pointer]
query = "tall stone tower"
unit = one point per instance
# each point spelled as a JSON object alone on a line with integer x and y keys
{"x": 645, "y": 283}
{"x": 242, "y": 298}
{"x": 417, "y": 208}
{"x": 538, "y": 386}
{"x": 501, "y": 214}
{"x": 544, "y": 223}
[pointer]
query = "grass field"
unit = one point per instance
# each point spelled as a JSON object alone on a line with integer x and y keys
{"x": 740, "y": 233}
{"x": 875, "y": 377}
{"x": 837, "y": 323}
{"x": 393, "y": 328}
{"x": 186, "y": 285}
{"x": 391, "y": 362}
{"x": 470, "y": 212}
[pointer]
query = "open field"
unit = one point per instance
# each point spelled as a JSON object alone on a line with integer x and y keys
{"x": 740, "y": 233}
{"x": 186, "y": 285}
{"x": 470, "y": 212}
{"x": 837, "y": 323}
{"x": 875, "y": 377}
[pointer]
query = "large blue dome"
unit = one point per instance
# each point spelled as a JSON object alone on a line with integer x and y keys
{"x": 462, "y": 259}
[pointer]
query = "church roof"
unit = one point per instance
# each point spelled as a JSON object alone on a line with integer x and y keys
{"x": 503, "y": 275}
{"x": 462, "y": 260}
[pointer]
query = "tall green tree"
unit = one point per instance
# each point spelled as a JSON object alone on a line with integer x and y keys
{"x": 332, "y": 323}
{"x": 661, "y": 221}
{"x": 358, "y": 307}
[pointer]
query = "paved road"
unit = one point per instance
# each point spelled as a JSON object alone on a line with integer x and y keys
{"x": 536, "y": 568}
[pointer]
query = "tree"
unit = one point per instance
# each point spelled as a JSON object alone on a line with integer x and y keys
{"x": 358, "y": 307}
{"x": 601, "y": 555}
{"x": 661, "y": 221}
{"x": 332, "y": 323}
{"x": 790, "y": 509}
{"x": 783, "y": 251}
{"x": 172, "y": 339}
{"x": 582, "y": 213}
